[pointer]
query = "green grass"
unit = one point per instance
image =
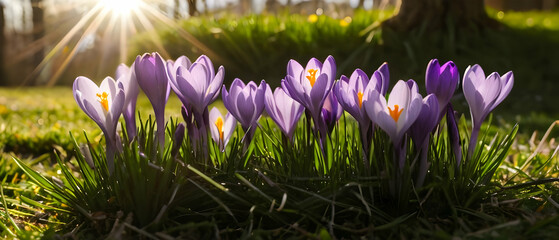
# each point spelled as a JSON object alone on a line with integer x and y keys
{"x": 315, "y": 204}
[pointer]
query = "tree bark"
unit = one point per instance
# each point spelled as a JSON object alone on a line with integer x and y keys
{"x": 38, "y": 32}
{"x": 361, "y": 4}
{"x": 271, "y": 6}
{"x": 192, "y": 10}
{"x": 245, "y": 6}
{"x": 437, "y": 14}
{"x": 2, "y": 43}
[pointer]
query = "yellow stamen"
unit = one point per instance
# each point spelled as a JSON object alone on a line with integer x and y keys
{"x": 103, "y": 100}
{"x": 395, "y": 114}
{"x": 360, "y": 98}
{"x": 312, "y": 76}
{"x": 219, "y": 125}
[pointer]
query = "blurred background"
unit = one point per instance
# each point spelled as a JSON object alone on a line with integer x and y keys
{"x": 50, "y": 42}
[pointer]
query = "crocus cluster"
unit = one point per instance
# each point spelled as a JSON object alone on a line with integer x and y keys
{"x": 402, "y": 113}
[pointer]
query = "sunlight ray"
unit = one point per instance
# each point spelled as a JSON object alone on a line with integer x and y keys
{"x": 64, "y": 41}
{"x": 91, "y": 29}
{"x": 184, "y": 34}
{"x": 149, "y": 27}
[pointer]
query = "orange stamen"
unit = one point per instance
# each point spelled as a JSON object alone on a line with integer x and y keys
{"x": 395, "y": 114}
{"x": 360, "y": 98}
{"x": 103, "y": 100}
{"x": 312, "y": 76}
{"x": 219, "y": 125}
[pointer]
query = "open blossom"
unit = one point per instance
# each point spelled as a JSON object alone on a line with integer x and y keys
{"x": 245, "y": 102}
{"x": 152, "y": 77}
{"x": 351, "y": 92}
{"x": 442, "y": 81}
{"x": 285, "y": 111}
{"x": 310, "y": 85}
{"x": 127, "y": 77}
{"x": 103, "y": 105}
{"x": 221, "y": 127}
{"x": 396, "y": 115}
{"x": 196, "y": 84}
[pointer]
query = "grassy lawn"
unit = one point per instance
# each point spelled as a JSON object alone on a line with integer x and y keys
{"x": 280, "y": 194}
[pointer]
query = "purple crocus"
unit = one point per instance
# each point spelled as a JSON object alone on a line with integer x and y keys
{"x": 151, "y": 74}
{"x": 221, "y": 128}
{"x": 396, "y": 115}
{"x": 102, "y": 104}
{"x": 426, "y": 121}
{"x": 419, "y": 133}
{"x": 245, "y": 103}
{"x": 442, "y": 81}
{"x": 350, "y": 93}
{"x": 172, "y": 67}
{"x": 331, "y": 111}
{"x": 127, "y": 77}
{"x": 310, "y": 86}
{"x": 196, "y": 84}
{"x": 285, "y": 111}
{"x": 385, "y": 73}
{"x": 483, "y": 95}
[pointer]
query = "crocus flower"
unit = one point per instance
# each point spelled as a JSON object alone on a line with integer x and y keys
{"x": 151, "y": 74}
{"x": 397, "y": 115}
{"x": 172, "y": 67}
{"x": 385, "y": 73}
{"x": 196, "y": 84}
{"x": 442, "y": 81}
{"x": 350, "y": 93}
{"x": 285, "y": 111}
{"x": 127, "y": 77}
{"x": 419, "y": 133}
{"x": 103, "y": 105}
{"x": 310, "y": 85}
{"x": 426, "y": 121}
{"x": 483, "y": 95}
{"x": 245, "y": 103}
{"x": 331, "y": 111}
{"x": 221, "y": 128}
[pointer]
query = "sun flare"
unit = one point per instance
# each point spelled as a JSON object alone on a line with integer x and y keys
{"x": 120, "y": 7}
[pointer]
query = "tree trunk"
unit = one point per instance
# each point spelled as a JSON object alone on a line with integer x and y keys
{"x": 361, "y": 4}
{"x": 245, "y": 6}
{"x": 436, "y": 14}
{"x": 2, "y": 43}
{"x": 176, "y": 10}
{"x": 38, "y": 33}
{"x": 271, "y": 6}
{"x": 316, "y": 4}
{"x": 192, "y": 10}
